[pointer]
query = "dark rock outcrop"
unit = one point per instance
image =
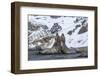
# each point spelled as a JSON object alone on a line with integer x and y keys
{"x": 55, "y": 28}
{"x": 83, "y": 30}
{"x": 55, "y": 17}
{"x": 70, "y": 32}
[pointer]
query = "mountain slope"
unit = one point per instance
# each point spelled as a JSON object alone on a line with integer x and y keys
{"x": 43, "y": 27}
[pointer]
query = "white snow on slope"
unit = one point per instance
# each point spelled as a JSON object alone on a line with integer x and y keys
{"x": 67, "y": 24}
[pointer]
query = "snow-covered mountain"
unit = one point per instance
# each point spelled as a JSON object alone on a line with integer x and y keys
{"x": 74, "y": 28}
